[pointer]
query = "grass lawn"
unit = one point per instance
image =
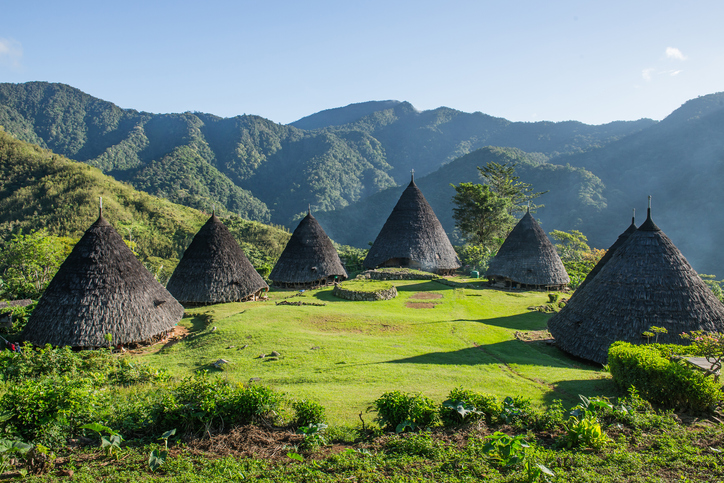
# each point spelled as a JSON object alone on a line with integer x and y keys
{"x": 346, "y": 354}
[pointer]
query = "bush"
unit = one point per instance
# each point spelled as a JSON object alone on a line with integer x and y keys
{"x": 486, "y": 407}
{"x": 397, "y": 410}
{"x": 51, "y": 409}
{"x": 200, "y": 403}
{"x": 661, "y": 381}
{"x": 308, "y": 412}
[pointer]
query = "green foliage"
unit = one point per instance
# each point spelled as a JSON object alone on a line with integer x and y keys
{"x": 198, "y": 403}
{"x": 578, "y": 258}
{"x": 158, "y": 457}
{"x": 571, "y": 245}
{"x": 505, "y": 450}
{"x": 502, "y": 180}
{"x": 474, "y": 257}
{"x": 313, "y": 435}
{"x": 29, "y": 262}
{"x": 308, "y": 412}
{"x": 417, "y": 444}
{"x": 111, "y": 444}
{"x": 63, "y": 361}
{"x": 481, "y": 215}
{"x": 583, "y": 427}
{"x": 41, "y": 190}
{"x": 662, "y": 381}
{"x": 487, "y": 407}
{"x": 352, "y": 258}
{"x": 53, "y": 408}
{"x": 710, "y": 346}
{"x": 714, "y": 285}
{"x": 397, "y": 411}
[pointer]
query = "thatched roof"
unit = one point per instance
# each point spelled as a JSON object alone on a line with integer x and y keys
{"x": 214, "y": 269}
{"x": 528, "y": 257}
{"x": 308, "y": 257}
{"x": 647, "y": 282}
{"x": 102, "y": 288}
{"x": 607, "y": 256}
{"x": 413, "y": 232}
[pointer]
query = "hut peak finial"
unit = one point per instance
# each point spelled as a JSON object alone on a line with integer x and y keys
{"x": 633, "y": 217}
{"x": 648, "y": 212}
{"x": 412, "y": 175}
{"x": 309, "y": 209}
{"x": 528, "y": 206}
{"x": 100, "y": 206}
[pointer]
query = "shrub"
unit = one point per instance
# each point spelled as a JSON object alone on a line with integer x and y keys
{"x": 199, "y": 403}
{"x": 486, "y": 407}
{"x": 661, "y": 381}
{"x": 308, "y": 412}
{"x": 51, "y": 409}
{"x": 397, "y": 410}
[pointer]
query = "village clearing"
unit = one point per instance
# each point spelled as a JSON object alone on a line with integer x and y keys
{"x": 346, "y": 354}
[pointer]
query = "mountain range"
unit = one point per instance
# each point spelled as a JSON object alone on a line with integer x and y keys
{"x": 350, "y": 164}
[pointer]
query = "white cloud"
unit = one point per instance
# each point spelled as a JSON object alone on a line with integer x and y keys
{"x": 674, "y": 72}
{"x": 11, "y": 53}
{"x": 646, "y": 74}
{"x": 674, "y": 53}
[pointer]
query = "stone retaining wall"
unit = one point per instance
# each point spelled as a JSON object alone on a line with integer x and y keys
{"x": 388, "y": 294}
{"x": 381, "y": 275}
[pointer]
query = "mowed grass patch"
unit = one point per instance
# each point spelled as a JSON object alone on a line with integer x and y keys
{"x": 346, "y": 354}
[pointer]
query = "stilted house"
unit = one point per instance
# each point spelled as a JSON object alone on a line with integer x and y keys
{"x": 215, "y": 270}
{"x": 609, "y": 253}
{"x": 102, "y": 289}
{"x": 413, "y": 237}
{"x": 647, "y": 282}
{"x": 309, "y": 260}
{"x": 528, "y": 259}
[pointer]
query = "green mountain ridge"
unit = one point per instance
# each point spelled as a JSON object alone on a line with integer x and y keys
{"x": 266, "y": 171}
{"x": 355, "y": 156}
{"x": 42, "y": 190}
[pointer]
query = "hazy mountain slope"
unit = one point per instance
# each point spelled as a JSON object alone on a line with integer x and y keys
{"x": 424, "y": 140}
{"x": 199, "y": 159}
{"x": 575, "y": 194}
{"x": 680, "y": 163}
{"x": 40, "y": 189}
{"x": 342, "y": 115}
{"x": 266, "y": 171}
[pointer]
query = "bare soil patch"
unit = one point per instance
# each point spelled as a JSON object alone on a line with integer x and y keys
{"x": 426, "y": 296}
{"x": 420, "y": 305}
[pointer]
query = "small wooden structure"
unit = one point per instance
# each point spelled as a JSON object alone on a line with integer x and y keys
{"x": 101, "y": 289}
{"x": 647, "y": 282}
{"x": 214, "y": 270}
{"x": 528, "y": 260}
{"x": 309, "y": 260}
{"x": 412, "y": 237}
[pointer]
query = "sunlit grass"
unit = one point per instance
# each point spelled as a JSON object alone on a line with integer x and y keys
{"x": 346, "y": 354}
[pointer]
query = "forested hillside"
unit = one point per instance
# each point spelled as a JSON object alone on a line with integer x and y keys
{"x": 43, "y": 190}
{"x": 574, "y": 195}
{"x": 265, "y": 171}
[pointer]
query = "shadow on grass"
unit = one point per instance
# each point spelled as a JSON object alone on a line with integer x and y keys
{"x": 569, "y": 391}
{"x": 507, "y": 352}
{"x": 423, "y": 286}
{"x": 526, "y": 321}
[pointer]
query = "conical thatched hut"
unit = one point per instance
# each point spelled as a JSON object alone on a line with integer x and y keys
{"x": 528, "y": 259}
{"x": 413, "y": 237}
{"x": 214, "y": 270}
{"x": 609, "y": 253}
{"x": 309, "y": 259}
{"x": 100, "y": 289}
{"x": 647, "y": 282}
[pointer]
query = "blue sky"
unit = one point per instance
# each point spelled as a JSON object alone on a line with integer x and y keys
{"x": 590, "y": 61}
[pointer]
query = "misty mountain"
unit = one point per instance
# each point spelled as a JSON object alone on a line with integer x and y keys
{"x": 350, "y": 163}
{"x": 266, "y": 171}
